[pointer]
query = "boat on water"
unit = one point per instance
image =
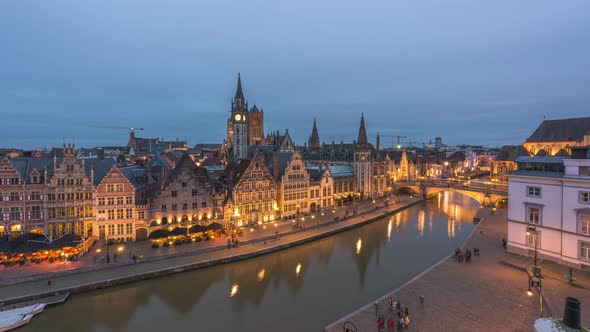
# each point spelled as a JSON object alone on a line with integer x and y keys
{"x": 14, "y": 321}
{"x": 13, "y": 318}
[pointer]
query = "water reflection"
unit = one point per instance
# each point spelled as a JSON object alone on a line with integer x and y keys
{"x": 380, "y": 262}
{"x": 234, "y": 290}
{"x": 261, "y": 274}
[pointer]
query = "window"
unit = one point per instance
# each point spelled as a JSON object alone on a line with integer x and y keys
{"x": 120, "y": 187}
{"x": 194, "y": 192}
{"x": 533, "y": 214}
{"x": 129, "y": 228}
{"x": 204, "y": 204}
{"x": 14, "y": 197}
{"x": 184, "y": 184}
{"x": 184, "y": 206}
{"x": 35, "y": 212}
{"x": 584, "y": 171}
{"x": 534, "y": 191}
{"x": 128, "y": 213}
{"x": 129, "y": 200}
{"x": 584, "y": 197}
{"x": 101, "y": 201}
{"x": 14, "y": 213}
{"x": 195, "y": 205}
{"x": 119, "y": 229}
{"x": 110, "y": 187}
{"x": 111, "y": 200}
{"x": 119, "y": 200}
{"x": 140, "y": 215}
{"x": 111, "y": 230}
{"x": 585, "y": 224}
{"x": 585, "y": 250}
{"x": 174, "y": 193}
{"x": 35, "y": 196}
{"x": 119, "y": 213}
{"x": 111, "y": 214}
{"x": 174, "y": 207}
{"x": 531, "y": 239}
{"x": 163, "y": 208}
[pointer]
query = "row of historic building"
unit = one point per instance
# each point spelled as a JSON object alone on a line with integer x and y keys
{"x": 124, "y": 193}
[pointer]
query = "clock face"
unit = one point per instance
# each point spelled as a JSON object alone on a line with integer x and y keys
{"x": 238, "y": 117}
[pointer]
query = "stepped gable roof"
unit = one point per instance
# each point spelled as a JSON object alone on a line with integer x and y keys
{"x": 158, "y": 160}
{"x": 187, "y": 163}
{"x": 511, "y": 152}
{"x": 560, "y": 130}
{"x": 234, "y": 171}
{"x": 284, "y": 158}
{"x": 396, "y": 155}
{"x": 25, "y": 166}
{"x": 101, "y": 168}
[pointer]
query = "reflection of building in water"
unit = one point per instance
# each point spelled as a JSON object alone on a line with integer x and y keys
{"x": 451, "y": 227}
{"x": 389, "y": 227}
{"x": 421, "y": 216}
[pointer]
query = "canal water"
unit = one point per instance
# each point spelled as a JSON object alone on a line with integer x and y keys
{"x": 299, "y": 289}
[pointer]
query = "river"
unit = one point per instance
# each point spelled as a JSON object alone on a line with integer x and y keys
{"x": 298, "y": 289}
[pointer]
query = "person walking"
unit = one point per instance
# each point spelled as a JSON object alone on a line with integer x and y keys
{"x": 406, "y": 311}
{"x": 421, "y": 299}
{"x": 115, "y": 257}
{"x": 390, "y": 324}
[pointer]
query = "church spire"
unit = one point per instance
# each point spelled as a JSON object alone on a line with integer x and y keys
{"x": 314, "y": 139}
{"x": 378, "y": 142}
{"x": 239, "y": 93}
{"x": 362, "y": 139}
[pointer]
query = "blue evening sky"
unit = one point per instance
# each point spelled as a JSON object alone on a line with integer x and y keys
{"x": 479, "y": 72}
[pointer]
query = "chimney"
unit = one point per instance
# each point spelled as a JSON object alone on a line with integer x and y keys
{"x": 276, "y": 166}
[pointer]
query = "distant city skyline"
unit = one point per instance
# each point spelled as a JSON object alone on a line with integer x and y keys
{"x": 471, "y": 73}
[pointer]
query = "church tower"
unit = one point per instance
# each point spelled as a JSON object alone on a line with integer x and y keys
{"x": 362, "y": 162}
{"x": 238, "y": 125}
{"x": 314, "y": 139}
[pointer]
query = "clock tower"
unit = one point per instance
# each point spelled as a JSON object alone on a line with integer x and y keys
{"x": 238, "y": 125}
{"x": 362, "y": 164}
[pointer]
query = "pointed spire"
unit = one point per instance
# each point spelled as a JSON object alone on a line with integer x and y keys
{"x": 362, "y": 139}
{"x": 239, "y": 93}
{"x": 378, "y": 143}
{"x": 314, "y": 139}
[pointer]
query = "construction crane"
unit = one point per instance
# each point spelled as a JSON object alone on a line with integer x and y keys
{"x": 399, "y": 137}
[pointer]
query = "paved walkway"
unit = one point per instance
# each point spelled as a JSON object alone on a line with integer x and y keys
{"x": 82, "y": 277}
{"x": 482, "y": 295}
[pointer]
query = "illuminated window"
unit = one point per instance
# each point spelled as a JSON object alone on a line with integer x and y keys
{"x": 585, "y": 224}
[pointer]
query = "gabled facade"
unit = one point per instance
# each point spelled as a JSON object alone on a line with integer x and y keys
{"x": 293, "y": 185}
{"x": 253, "y": 193}
{"x": 70, "y": 197}
{"x": 21, "y": 195}
{"x": 186, "y": 198}
{"x": 321, "y": 187}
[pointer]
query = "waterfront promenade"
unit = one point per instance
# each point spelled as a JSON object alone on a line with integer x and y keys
{"x": 486, "y": 294}
{"x": 105, "y": 275}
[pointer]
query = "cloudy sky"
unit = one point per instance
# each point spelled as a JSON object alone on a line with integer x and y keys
{"x": 479, "y": 72}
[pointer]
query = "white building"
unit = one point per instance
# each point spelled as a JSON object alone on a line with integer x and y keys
{"x": 549, "y": 207}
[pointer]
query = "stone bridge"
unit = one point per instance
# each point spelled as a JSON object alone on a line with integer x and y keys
{"x": 487, "y": 196}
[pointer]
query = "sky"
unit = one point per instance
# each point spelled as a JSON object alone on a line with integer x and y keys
{"x": 473, "y": 72}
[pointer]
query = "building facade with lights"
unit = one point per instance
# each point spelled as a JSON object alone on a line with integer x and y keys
{"x": 21, "y": 195}
{"x": 252, "y": 195}
{"x": 185, "y": 199}
{"x": 557, "y": 137}
{"x": 549, "y": 208}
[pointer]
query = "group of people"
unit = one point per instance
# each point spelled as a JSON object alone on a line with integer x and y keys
{"x": 399, "y": 315}
{"x": 465, "y": 256}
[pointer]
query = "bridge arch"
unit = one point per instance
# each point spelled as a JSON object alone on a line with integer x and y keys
{"x": 483, "y": 198}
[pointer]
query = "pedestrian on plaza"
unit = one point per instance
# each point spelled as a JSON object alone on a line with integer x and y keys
{"x": 406, "y": 311}
{"x": 390, "y": 324}
{"x": 400, "y": 324}
{"x": 382, "y": 318}
{"x": 134, "y": 259}
{"x": 48, "y": 282}
{"x": 115, "y": 257}
{"x": 421, "y": 299}
{"x": 407, "y": 321}
{"x": 504, "y": 243}
{"x": 398, "y": 305}
{"x": 229, "y": 243}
